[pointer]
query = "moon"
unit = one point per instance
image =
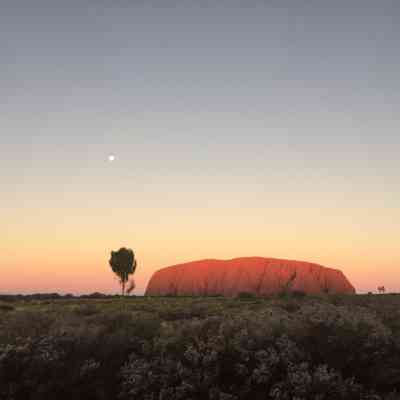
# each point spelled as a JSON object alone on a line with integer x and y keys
{"x": 111, "y": 158}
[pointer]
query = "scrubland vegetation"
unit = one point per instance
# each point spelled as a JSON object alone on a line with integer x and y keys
{"x": 281, "y": 347}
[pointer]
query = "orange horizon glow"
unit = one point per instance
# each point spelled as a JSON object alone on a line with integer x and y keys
{"x": 65, "y": 261}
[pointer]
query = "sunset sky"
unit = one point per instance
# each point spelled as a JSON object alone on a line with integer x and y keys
{"x": 239, "y": 128}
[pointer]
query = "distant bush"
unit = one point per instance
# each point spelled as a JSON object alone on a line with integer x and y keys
{"x": 246, "y": 296}
{"x": 290, "y": 305}
{"x": 95, "y": 295}
{"x": 54, "y": 296}
{"x": 298, "y": 294}
{"x": 86, "y": 310}
{"x": 6, "y": 307}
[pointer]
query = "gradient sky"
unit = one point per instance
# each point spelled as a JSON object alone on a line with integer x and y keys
{"x": 240, "y": 128}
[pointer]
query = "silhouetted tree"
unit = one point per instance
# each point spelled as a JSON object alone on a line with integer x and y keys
{"x": 286, "y": 287}
{"x": 123, "y": 264}
{"x": 131, "y": 286}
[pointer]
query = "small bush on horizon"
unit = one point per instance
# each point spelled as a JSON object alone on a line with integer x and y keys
{"x": 298, "y": 294}
{"x": 246, "y": 296}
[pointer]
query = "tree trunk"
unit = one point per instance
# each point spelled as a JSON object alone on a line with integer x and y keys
{"x": 123, "y": 288}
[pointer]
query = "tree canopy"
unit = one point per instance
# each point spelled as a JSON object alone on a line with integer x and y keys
{"x": 123, "y": 264}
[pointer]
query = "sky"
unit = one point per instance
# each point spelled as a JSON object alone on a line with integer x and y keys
{"x": 239, "y": 128}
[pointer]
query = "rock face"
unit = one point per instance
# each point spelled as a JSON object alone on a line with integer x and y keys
{"x": 251, "y": 274}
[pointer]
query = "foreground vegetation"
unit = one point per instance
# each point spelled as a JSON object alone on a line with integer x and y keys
{"x": 283, "y": 347}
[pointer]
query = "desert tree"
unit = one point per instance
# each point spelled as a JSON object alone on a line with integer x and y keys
{"x": 286, "y": 286}
{"x": 123, "y": 264}
{"x": 131, "y": 287}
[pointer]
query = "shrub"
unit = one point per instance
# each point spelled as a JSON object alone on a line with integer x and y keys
{"x": 24, "y": 324}
{"x": 86, "y": 310}
{"x": 246, "y": 296}
{"x": 202, "y": 348}
{"x": 6, "y": 307}
{"x": 299, "y": 294}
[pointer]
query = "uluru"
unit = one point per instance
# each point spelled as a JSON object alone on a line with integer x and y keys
{"x": 258, "y": 275}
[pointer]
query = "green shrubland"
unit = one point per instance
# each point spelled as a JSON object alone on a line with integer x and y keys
{"x": 281, "y": 347}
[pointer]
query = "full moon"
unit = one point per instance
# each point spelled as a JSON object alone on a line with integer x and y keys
{"x": 111, "y": 157}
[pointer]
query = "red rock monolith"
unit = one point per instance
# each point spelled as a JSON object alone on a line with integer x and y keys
{"x": 257, "y": 275}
